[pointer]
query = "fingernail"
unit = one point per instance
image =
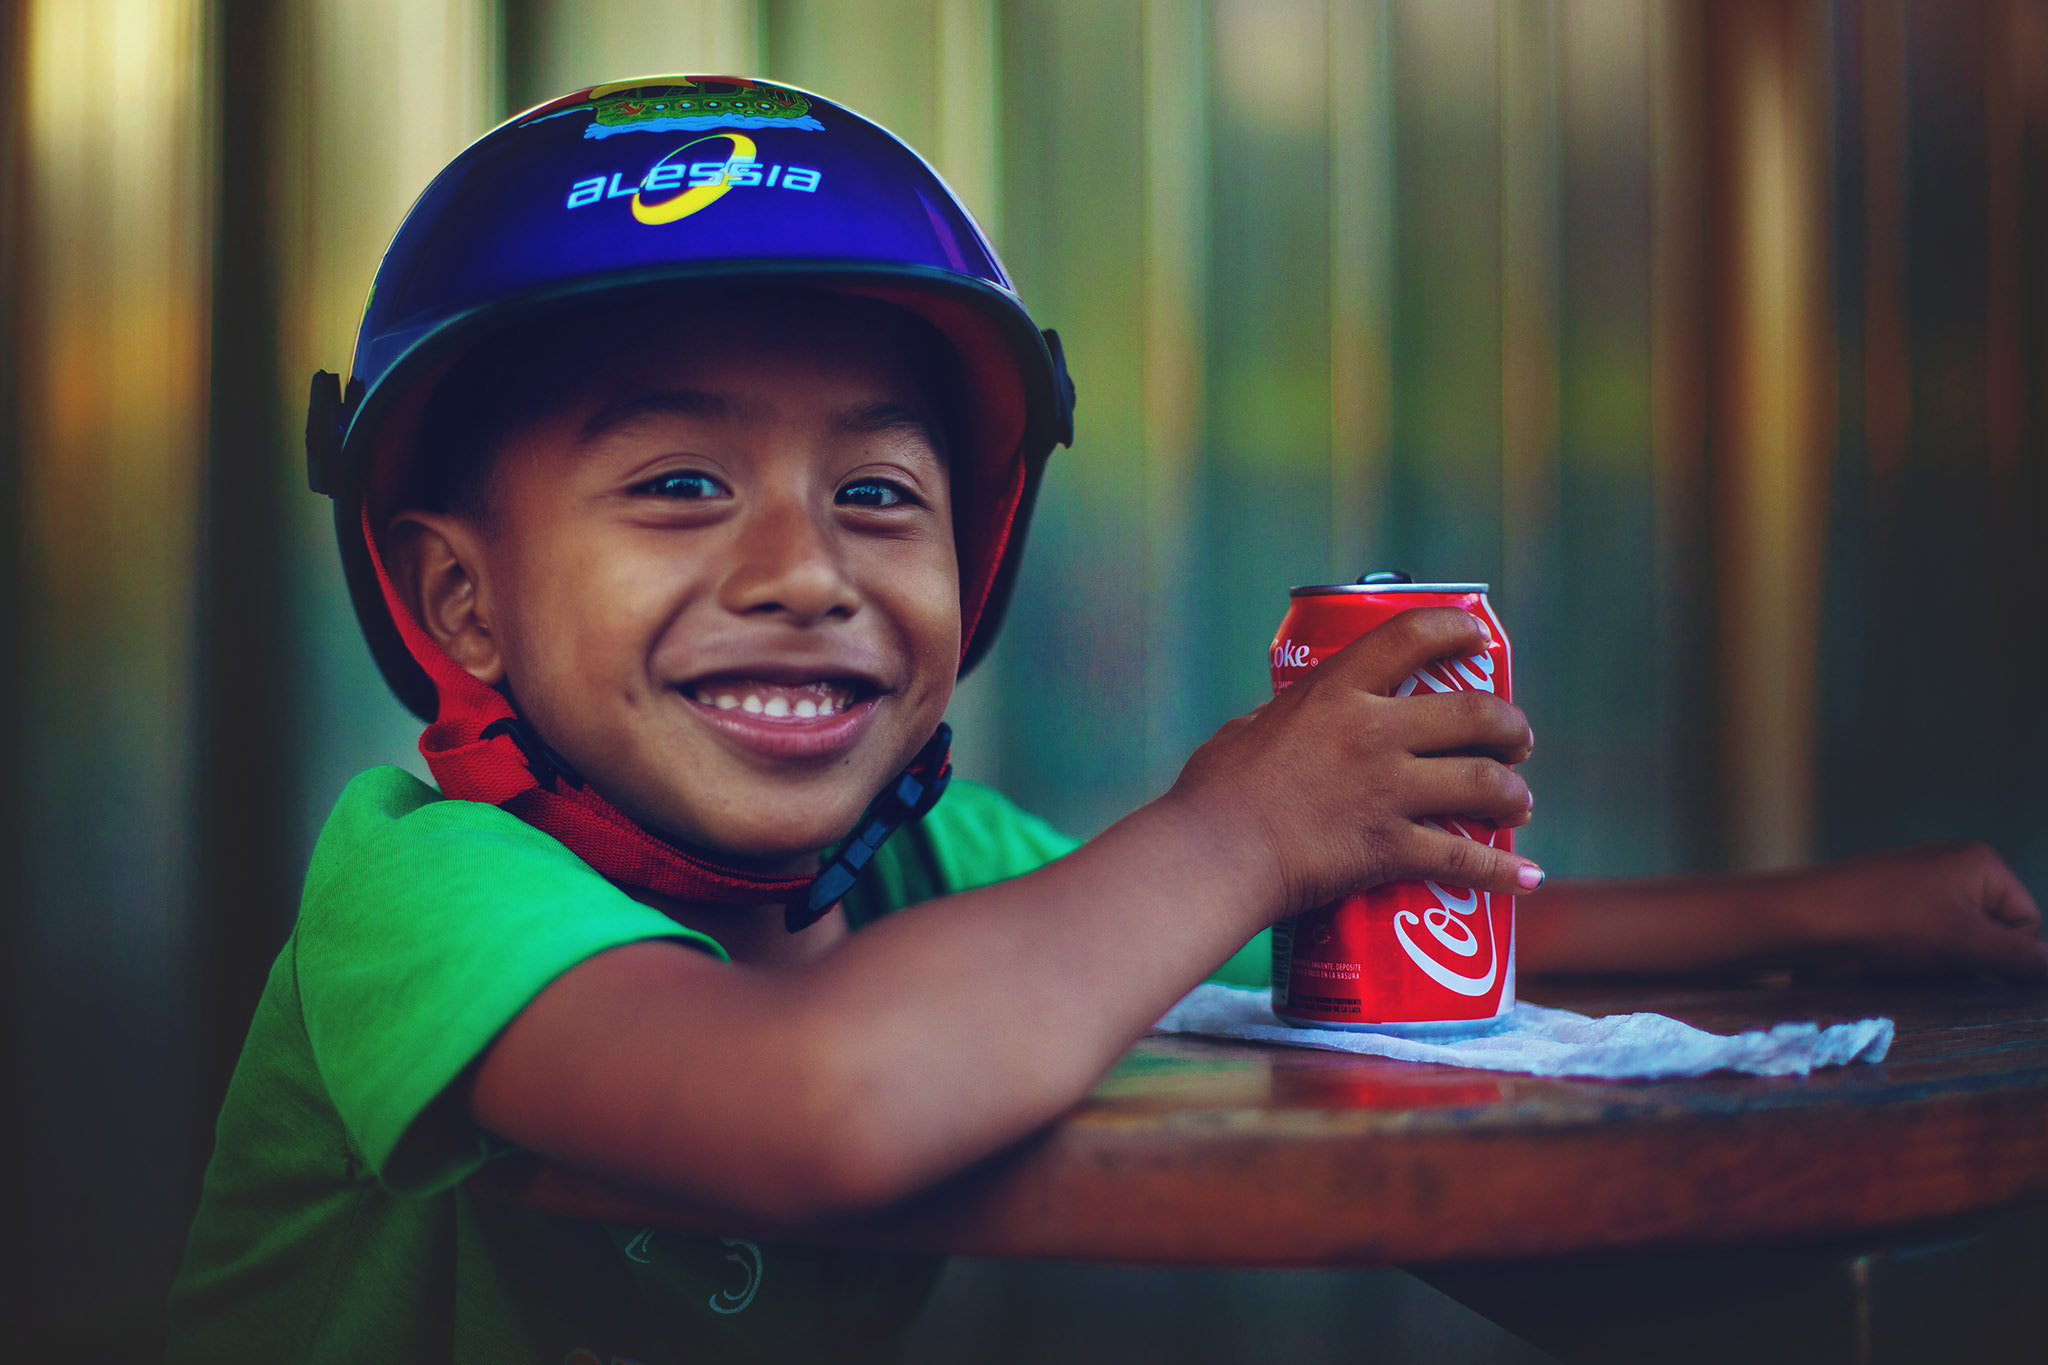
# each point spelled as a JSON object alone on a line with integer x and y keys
{"x": 1528, "y": 876}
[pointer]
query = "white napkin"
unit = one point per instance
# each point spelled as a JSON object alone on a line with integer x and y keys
{"x": 1552, "y": 1042}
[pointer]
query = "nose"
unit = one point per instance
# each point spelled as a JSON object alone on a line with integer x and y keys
{"x": 789, "y": 563}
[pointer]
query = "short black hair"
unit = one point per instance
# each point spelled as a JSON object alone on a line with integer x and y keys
{"x": 525, "y": 370}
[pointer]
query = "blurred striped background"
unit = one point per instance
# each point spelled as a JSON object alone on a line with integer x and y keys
{"x": 1714, "y": 335}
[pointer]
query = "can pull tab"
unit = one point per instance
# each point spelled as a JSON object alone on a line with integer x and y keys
{"x": 1383, "y": 576}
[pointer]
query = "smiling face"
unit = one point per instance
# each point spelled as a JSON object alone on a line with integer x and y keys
{"x": 717, "y": 573}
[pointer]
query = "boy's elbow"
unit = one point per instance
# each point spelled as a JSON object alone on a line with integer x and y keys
{"x": 851, "y": 1180}
{"x": 825, "y": 1148}
{"x": 861, "y": 1150}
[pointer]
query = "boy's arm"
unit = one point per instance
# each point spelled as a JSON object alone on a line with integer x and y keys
{"x": 933, "y": 1037}
{"x": 1926, "y": 909}
{"x": 950, "y": 1029}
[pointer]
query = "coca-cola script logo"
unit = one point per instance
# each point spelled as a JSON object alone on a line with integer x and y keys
{"x": 1453, "y": 675}
{"x": 1450, "y": 953}
{"x": 1288, "y": 654}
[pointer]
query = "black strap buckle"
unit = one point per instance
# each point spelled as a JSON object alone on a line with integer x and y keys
{"x": 328, "y": 411}
{"x": 544, "y": 763}
{"x": 1063, "y": 382}
{"x": 906, "y": 799}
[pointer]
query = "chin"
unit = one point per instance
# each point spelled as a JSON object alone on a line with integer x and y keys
{"x": 798, "y": 849}
{"x": 780, "y": 826}
{"x": 790, "y": 856}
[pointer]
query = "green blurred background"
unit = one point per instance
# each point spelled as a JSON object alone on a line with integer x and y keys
{"x": 1714, "y": 335}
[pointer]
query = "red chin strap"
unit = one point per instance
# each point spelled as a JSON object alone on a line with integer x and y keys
{"x": 479, "y": 749}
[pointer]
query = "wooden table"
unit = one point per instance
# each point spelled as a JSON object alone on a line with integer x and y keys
{"x": 1508, "y": 1191}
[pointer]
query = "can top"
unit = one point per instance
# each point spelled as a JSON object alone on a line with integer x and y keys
{"x": 1320, "y": 589}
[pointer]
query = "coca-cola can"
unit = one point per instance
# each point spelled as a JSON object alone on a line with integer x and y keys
{"x": 1401, "y": 957}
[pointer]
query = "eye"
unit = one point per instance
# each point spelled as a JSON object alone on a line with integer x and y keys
{"x": 877, "y": 493}
{"x": 684, "y": 485}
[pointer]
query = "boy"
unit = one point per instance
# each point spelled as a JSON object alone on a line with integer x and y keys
{"x": 696, "y": 437}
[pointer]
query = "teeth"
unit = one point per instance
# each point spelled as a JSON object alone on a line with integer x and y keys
{"x": 829, "y": 701}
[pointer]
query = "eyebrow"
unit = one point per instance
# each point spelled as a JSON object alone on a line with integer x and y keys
{"x": 862, "y": 419}
{"x": 696, "y": 403}
{"x": 875, "y": 419}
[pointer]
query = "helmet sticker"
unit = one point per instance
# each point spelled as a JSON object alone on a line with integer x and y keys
{"x": 693, "y": 106}
{"x": 692, "y": 185}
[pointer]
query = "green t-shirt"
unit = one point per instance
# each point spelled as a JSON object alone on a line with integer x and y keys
{"x": 335, "y": 1224}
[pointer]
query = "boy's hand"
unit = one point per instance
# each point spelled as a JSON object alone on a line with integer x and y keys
{"x": 1928, "y": 909}
{"x": 1323, "y": 787}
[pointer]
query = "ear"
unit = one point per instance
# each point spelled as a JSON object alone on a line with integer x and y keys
{"x": 435, "y": 563}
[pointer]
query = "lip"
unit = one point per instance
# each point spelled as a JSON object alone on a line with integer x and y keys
{"x": 790, "y": 737}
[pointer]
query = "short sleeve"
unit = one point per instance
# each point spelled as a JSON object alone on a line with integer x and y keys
{"x": 979, "y": 837}
{"x": 975, "y": 837}
{"x": 420, "y": 938}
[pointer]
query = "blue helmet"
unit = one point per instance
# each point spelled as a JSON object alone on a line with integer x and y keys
{"x": 671, "y": 180}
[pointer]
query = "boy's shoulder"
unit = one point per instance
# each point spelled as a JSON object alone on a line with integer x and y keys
{"x": 373, "y": 798}
{"x": 389, "y": 823}
{"x": 393, "y": 838}
{"x": 399, "y": 862}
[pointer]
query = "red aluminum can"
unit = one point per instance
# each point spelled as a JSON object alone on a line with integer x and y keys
{"x": 1404, "y": 957}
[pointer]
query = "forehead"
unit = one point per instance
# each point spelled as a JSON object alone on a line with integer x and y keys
{"x": 745, "y": 357}
{"x": 788, "y": 348}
